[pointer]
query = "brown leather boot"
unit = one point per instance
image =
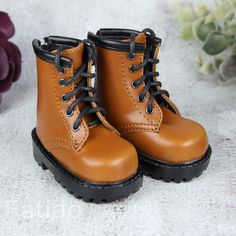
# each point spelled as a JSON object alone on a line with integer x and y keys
{"x": 72, "y": 137}
{"x": 170, "y": 147}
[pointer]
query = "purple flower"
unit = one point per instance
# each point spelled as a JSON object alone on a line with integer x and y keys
{"x": 10, "y": 56}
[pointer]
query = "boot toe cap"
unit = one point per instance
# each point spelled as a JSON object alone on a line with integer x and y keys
{"x": 190, "y": 144}
{"x": 185, "y": 142}
{"x": 104, "y": 158}
{"x": 115, "y": 163}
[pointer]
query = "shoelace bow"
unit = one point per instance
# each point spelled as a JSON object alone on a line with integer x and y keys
{"x": 151, "y": 86}
{"x": 82, "y": 91}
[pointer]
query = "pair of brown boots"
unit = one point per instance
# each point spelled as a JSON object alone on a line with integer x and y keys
{"x": 97, "y": 144}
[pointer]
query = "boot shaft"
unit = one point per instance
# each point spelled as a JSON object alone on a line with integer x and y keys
{"x": 126, "y": 104}
{"x": 58, "y": 109}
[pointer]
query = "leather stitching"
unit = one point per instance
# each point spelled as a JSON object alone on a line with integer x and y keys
{"x": 136, "y": 125}
{"x": 61, "y": 145}
{"x": 126, "y": 86}
{"x": 77, "y": 145}
{"x": 58, "y": 105}
{"x": 138, "y": 130}
{"x": 80, "y": 144}
{"x": 58, "y": 139}
{"x": 158, "y": 108}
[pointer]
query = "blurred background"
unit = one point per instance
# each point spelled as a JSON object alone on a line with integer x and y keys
{"x": 198, "y": 69}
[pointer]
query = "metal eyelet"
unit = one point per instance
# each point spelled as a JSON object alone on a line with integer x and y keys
{"x": 150, "y": 112}
{"x": 61, "y": 83}
{"x": 131, "y": 69}
{"x": 141, "y": 100}
{"x": 132, "y": 58}
{"x": 76, "y": 129}
{"x": 69, "y": 114}
{"x": 63, "y": 72}
{"x": 64, "y": 99}
{"x": 133, "y": 85}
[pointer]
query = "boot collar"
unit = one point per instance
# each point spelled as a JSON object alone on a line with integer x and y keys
{"x": 113, "y": 38}
{"x": 51, "y": 43}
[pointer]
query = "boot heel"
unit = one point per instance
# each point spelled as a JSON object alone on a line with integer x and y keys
{"x": 38, "y": 156}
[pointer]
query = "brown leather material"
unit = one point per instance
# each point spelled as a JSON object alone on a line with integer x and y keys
{"x": 170, "y": 102}
{"x": 99, "y": 114}
{"x": 96, "y": 153}
{"x": 105, "y": 157}
{"x": 163, "y": 135}
{"x": 116, "y": 91}
{"x": 179, "y": 140}
{"x": 53, "y": 126}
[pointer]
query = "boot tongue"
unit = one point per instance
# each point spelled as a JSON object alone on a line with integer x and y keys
{"x": 141, "y": 38}
{"x": 76, "y": 54}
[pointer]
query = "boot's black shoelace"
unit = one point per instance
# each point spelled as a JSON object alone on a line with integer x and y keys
{"x": 151, "y": 86}
{"x": 82, "y": 91}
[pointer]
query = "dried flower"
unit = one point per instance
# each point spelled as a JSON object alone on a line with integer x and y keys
{"x": 10, "y": 55}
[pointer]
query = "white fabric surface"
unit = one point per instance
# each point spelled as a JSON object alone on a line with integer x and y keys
{"x": 32, "y": 203}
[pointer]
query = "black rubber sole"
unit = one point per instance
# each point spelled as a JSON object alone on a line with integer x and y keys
{"x": 80, "y": 188}
{"x": 174, "y": 172}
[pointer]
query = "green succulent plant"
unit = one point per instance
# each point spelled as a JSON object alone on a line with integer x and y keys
{"x": 215, "y": 28}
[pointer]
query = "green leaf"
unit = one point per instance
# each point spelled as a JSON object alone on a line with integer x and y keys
{"x": 230, "y": 29}
{"x": 216, "y": 43}
{"x": 217, "y": 62}
{"x": 204, "y": 30}
{"x": 220, "y": 2}
{"x": 201, "y": 30}
{"x": 201, "y": 9}
{"x": 195, "y": 27}
{"x": 210, "y": 18}
{"x": 207, "y": 68}
{"x": 234, "y": 3}
{"x": 186, "y": 14}
{"x": 198, "y": 59}
{"x": 234, "y": 49}
{"x": 186, "y": 31}
{"x": 224, "y": 3}
{"x": 228, "y": 68}
{"x": 230, "y": 15}
{"x": 220, "y": 13}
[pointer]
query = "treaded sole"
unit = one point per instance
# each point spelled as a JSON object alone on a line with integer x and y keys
{"x": 180, "y": 172}
{"x": 80, "y": 188}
